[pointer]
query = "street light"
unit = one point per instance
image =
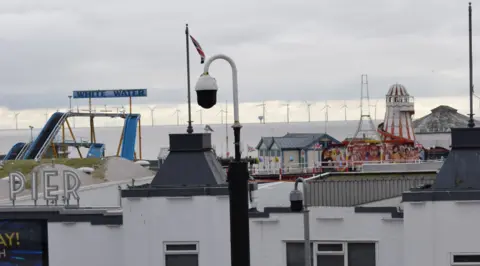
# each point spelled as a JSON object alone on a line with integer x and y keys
{"x": 298, "y": 204}
{"x": 207, "y": 88}
{"x": 69, "y": 103}
{"x": 31, "y": 133}
{"x": 238, "y": 175}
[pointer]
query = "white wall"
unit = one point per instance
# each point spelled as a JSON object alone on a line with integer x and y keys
{"x": 268, "y": 236}
{"x": 84, "y": 244}
{"x": 149, "y": 222}
{"x": 434, "y": 230}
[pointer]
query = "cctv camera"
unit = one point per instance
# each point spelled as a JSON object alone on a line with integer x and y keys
{"x": 296, "y": 201}
{"x": 206, "y": 89}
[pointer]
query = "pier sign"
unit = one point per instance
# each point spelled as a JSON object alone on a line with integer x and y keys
{"x": 120, "y": 93}
{"x": 71, "y": 184}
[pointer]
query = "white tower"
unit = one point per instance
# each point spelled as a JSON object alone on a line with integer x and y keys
{"x": 398, "y": 115}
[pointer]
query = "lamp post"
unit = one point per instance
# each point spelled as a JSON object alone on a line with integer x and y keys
{"x": 16, "y": 120}
{"x": 69, "y": 103}
{"x": 299, "y": 204}
{"x": 238, "y": 175}
{"x": 31, "y": 133}
{"x": 207, "y": 80}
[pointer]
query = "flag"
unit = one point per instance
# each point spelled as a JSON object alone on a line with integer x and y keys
{"x": 250, "y": 148}
{"x": 199, "y": 50}
{"x": 317, "y": 146}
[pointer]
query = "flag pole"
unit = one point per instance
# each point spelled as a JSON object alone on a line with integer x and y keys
{"x": 471, "y": 122}
{"x": 187, "y": 36}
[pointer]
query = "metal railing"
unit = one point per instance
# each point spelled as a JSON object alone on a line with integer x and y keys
{"x": 52, "y": 135}
{"x": 323, "y": 167}
{"x": 352, "y": 192}
{"x": 23, "y": 151}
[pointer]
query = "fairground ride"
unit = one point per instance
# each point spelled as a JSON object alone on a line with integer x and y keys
{"x": 46, "y": 145}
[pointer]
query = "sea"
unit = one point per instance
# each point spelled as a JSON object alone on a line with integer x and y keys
{"x": 155, "y": 138}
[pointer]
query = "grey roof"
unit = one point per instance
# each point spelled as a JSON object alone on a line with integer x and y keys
{"x": 190, "y": 162}
{"x": 267, "y": 140}
{"x": 461, "y": 169}
{"x": 441, "y": 119}
{"x": 295, "y": 140}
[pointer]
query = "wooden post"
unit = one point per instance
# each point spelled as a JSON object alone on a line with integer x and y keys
{"x": 140, "y": 137}
{"x": 130, "y": 103}
{"x": 73, "y": 138}
{"x": 120, "y": 142}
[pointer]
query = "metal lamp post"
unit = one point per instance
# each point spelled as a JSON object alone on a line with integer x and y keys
{"x": 69, "y": 103}
{"x": 236, "y": 123}
{"x": 298, "y": 203}
{"x": 31, "y": 133}
{"x": 238, "y": 175}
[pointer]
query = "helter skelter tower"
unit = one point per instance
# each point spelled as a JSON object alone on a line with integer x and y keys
{"x": 366, "y": 130}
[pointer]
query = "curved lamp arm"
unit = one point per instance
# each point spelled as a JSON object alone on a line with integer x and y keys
{"x": 210, "y": 60}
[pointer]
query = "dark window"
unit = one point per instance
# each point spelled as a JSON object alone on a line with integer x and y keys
{"x": 361, "y": 254}
{"x": 181, "y": 247}
{"x": 330, "y": 247}
{"x": 330, "y": 260}
{"x": 296, "y": 254}
{"x": 181, "y": 260}
{"x": 466, "y": 258}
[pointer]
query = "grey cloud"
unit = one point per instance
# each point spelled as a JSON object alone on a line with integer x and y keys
{"x": 285, "y": 50}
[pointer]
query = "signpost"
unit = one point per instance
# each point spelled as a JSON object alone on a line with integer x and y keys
{"x": 71, "y": 184}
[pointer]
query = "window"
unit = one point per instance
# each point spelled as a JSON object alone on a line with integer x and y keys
{"x": 296, "y": 254}
{"x": 262, "y": 152}
{"x": 466, "y": 259}
{"x": 181, "y": 253}
{"x": 361, "y": 254}
{"x": 333, "y": 254}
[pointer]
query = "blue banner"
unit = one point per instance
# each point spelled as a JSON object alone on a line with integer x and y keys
{"x": 120, "y": 93}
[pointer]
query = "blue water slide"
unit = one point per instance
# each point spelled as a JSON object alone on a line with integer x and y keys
{"x": 96, "y": 150}
{"x": 37, "y": 144}
{"x": 12, "y": 154}
{"x": 129, "y": 136}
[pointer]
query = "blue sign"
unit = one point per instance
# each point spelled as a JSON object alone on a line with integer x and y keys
{"x": 121, "y": 93}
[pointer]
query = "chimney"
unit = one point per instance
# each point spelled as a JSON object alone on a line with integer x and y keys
{"x": 461, "y": 169}
{"x": 191, "y": 162}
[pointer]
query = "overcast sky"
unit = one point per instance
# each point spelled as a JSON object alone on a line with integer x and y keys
{"x": 285, "y": 50}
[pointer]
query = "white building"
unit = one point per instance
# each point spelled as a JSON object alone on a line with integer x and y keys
{"x": 375, "y": 222}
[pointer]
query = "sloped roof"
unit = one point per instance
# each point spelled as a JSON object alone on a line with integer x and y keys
{"x": 295, "y": 140}
{"x": 441, "y": 119}
{"x": 267, "y": 140}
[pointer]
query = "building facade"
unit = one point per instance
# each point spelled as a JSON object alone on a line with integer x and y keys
{"x": 292, "y": 152}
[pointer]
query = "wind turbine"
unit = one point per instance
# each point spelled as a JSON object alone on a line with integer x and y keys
{"x": 46, "y": 115}
{"x": 326, "y": 107}
{"x": 152, "y": 110}
{"x": 221, "y": 115}
{"x": 375, "y": 110}
{"x": 201, "y": 117}
{"x": 288, "y": 111}
{"x": 16, "y": 120}
{"x": 478, "y": 97}
{"x": 263, "y": 105}
{"x": 308, "y": 110}
{"x": 177, "y": 112}
{"x": 344, "y": 107}
{"x": 105, "y": 111}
